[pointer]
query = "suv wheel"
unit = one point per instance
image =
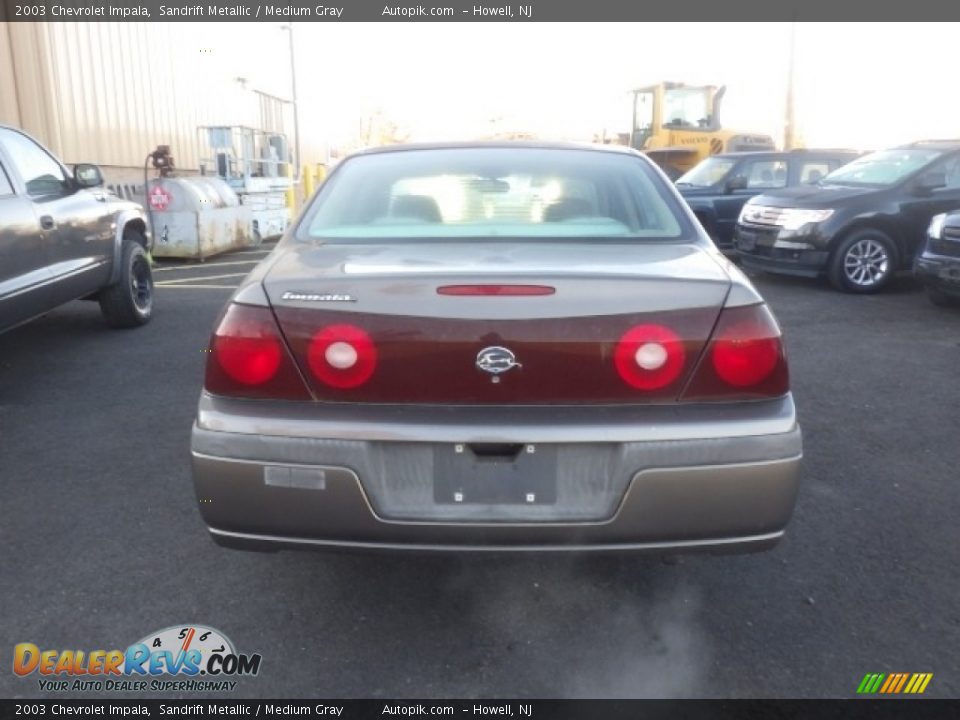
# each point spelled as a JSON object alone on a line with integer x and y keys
{"x": 864, "y": 262}
{"x": 129, "y": 302}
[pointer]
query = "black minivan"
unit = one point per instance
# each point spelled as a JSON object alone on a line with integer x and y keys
{"x": 859, "y": 224}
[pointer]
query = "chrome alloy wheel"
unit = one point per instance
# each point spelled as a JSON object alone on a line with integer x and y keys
{"x": 866, "y": 263}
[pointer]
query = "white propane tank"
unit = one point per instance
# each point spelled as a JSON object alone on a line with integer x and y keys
{"x": 196, "y": 217}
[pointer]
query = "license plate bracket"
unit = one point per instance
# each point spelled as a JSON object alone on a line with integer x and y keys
{"x": 469, "y": 475}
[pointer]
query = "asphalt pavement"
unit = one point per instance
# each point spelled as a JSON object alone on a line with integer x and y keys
{"x": 102, "y": 542}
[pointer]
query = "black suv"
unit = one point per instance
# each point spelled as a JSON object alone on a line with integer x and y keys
{"x": 718, "y": 187}
{"x": 938, "y": 262}
{"x": 858, "y": 225}
{"x": 63, "y": 236}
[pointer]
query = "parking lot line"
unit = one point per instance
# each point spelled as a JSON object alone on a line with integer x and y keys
{"x": 197, "y": 287}
{"x": 198, "y": 279}
{"x": 196, "y": 266}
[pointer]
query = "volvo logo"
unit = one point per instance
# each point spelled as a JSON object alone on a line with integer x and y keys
{"x": 496, "y": 360}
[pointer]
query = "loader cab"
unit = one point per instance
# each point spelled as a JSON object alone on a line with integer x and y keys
{"x": 673, "y": 106}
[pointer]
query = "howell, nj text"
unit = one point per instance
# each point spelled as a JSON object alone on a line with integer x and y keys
{"x": 503, "y": 710}
{"x": 502, "y": 11}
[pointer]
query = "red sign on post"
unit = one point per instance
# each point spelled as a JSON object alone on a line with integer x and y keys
{"x": 159, "y": 198}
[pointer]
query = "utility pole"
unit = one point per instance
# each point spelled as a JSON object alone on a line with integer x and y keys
{"x": 789, "y": 127}
{"x": 296, "y": 115}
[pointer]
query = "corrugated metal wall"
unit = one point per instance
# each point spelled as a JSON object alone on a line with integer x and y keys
{"x": 108, "y": 93}
{"x": 9, "y": 106}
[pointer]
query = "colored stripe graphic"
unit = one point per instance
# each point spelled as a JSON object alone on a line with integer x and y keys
{"x": 918, "y": 683}
{"x": 894, "y": 683}
{"x": 903, "y": 679}
{"x": 870, "y": 683}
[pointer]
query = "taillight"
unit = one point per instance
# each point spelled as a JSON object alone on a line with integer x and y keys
{"x": 342, "y": 356}
{"x": 649, "y": 357}
{"x": 743, "y": 360}
{"x": 248, "y": 357}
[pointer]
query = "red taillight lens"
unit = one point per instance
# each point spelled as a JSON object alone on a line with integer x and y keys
{"x": 649, "y": 357}
{"x": 248, "y": 357}
{"x": 744, "y": 359}
{"x": 248, "y": 360}
{"x": 342, "y": 356}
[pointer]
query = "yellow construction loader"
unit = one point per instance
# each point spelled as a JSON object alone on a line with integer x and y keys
{"x": 678, "y": 125}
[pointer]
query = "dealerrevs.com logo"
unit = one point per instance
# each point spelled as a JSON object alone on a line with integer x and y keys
{"x": 200, "y": 658}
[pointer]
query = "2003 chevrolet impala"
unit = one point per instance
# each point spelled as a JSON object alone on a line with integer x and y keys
{"x": 496, "y": 346}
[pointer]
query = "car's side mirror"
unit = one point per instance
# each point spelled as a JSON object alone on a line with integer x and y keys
{"x": 86, "y": 175}
{"x": 737, "y": 182}
{"x": 929, "y": 182}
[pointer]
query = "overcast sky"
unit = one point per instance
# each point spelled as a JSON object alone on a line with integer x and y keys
{"x": 858, "y": 85}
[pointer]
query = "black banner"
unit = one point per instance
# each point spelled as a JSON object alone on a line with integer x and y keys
{"x": 473, "y": 11}
{"x": 915, "y": 709}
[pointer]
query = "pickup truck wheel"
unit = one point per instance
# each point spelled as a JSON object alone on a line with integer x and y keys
{"x": 864, "y": 262}
{"x": 129, "y": 302}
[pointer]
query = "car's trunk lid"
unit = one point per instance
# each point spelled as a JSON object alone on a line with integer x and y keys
{"x": 428, "y": 345}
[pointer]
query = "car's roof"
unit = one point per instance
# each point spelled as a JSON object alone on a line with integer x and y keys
{"x": 946, "y": 145}
{"x": 805, "y": 152}
{"x": 14, "y": 128}
{"x": 499, "y": 144}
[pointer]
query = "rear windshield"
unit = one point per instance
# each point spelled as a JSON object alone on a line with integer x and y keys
{"x": 707, "y": 173}
{"x": 494, "y": 193}
{"x": 880, "y": 169}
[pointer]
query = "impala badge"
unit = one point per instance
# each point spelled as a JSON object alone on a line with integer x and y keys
{"x": 317, "y": 297}
{"x": 496, "y": 360}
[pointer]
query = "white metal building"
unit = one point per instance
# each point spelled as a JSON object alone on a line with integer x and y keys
{"x": 109, "y": 93}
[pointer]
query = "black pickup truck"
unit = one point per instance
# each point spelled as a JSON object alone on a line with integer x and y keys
{"x": 717, "y": 188}
{"x": 63, "y": 236}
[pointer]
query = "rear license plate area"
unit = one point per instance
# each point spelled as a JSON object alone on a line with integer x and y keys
{"x": 495, "y": 474}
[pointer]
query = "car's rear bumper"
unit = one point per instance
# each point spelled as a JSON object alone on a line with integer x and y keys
{"x": 710, "y": 478}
